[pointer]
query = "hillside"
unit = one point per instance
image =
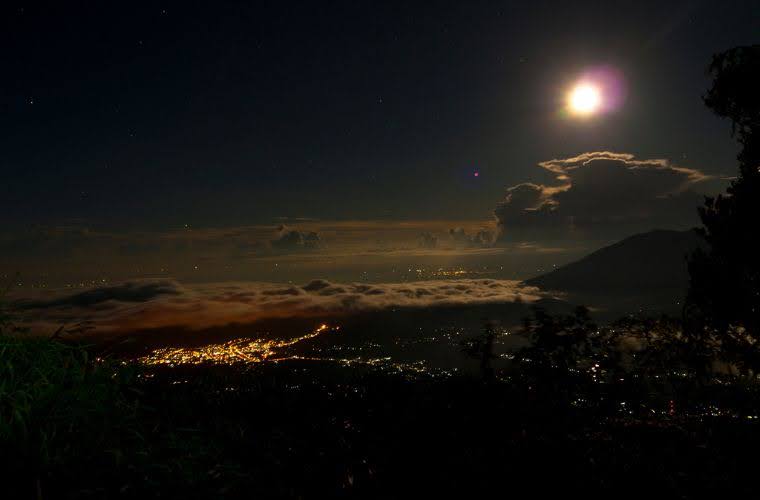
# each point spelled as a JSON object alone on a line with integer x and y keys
{"x": 644, "y": 270}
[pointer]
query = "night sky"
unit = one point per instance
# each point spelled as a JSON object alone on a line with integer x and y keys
{"x": 281, "y": 141}
{"x": 215, "y": 114}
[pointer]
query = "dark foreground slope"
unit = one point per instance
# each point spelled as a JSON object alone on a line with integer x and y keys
{"x": 645, "y": 271}
{"x": 300, "y": 430}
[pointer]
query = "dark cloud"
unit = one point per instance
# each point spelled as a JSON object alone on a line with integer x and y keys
{"x": 290, "y": 240}
{"x": 133, "y": 291}
{"x": 602, "y": 195}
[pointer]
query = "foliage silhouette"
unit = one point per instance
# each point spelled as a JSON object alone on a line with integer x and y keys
{"x": 723, "y": 304}
{"x": 644, "y": 364}
{"x": 6, "y": 318}
{"x": 482, "y": 349}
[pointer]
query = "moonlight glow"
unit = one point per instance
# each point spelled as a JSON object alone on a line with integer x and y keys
{"x": 584, "y": 99}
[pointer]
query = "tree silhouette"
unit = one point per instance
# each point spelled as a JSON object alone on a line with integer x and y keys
{"x": 724, "y": 294}
{"x": 562, "y": 352}
{"x": 559, "y": 342}
{"x": 482, "y": 349}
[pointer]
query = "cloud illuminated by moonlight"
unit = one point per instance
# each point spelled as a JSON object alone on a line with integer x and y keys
{"x": 148, "y": 304}
{"x": 602, "y": 195}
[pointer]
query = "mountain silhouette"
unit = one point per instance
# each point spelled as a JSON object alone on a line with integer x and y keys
{"x": 647, "y": 271}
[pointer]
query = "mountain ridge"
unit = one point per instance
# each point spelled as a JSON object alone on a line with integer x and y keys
{"x": 646, "y": 270}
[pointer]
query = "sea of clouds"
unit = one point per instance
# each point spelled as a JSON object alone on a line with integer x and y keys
{"x": 142, "y": 305}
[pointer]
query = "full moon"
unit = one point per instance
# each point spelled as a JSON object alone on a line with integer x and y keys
{"x": 584, "y": 99}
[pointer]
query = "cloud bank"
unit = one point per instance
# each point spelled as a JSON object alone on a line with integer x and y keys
{"x": 146, "y": 304}
{"x": 602, "y": 195}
